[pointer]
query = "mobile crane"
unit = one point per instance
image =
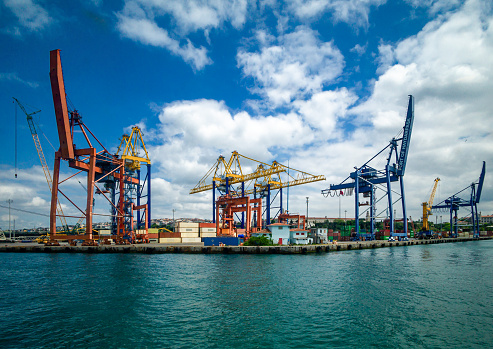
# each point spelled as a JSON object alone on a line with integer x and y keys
{"x": 425, "y": 232}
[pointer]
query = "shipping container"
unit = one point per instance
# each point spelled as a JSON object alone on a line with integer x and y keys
{"x": 187, "y": 230}
{"x": 153, "y": 236}
{"x": 153, "y": 230}
{"x": 170, "y": 240}
{"x": 187, "y": 225}
{"x": 208, "y": 230}
{"x": 190, "y": 240}
{"x": 215, "y": 241}
{"x": 189, "y": 235}
{"x": 167, "y": 235}
{"x": 207, "y": 225}
{"x": 104, "y": 232}
{"x": 208, "y": 235}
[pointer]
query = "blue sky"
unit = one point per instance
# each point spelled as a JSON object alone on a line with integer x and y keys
{"x": 321, "y": 83}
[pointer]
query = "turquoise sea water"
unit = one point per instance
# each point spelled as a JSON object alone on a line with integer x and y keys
{"x": 427, "y": 296}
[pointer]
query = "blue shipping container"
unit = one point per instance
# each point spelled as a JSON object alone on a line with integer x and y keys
{"x": 215, "y": 241}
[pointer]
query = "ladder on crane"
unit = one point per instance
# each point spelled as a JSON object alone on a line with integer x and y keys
{"x": 42, "y": 158}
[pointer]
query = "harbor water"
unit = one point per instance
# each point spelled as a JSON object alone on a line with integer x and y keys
{"x": 425, "y": 296}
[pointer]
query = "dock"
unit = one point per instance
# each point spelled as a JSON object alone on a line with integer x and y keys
{"x": 155, "y": 248}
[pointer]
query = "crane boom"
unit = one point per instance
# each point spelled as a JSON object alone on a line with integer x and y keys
{"x": 42, "y": 158}
{"x": 60, "y": 104}
{"x": 406, "y": 136}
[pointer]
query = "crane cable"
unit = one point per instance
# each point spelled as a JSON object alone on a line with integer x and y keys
{"x": 15, "y": 140}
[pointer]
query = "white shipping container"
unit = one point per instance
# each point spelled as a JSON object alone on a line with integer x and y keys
{"x": 189, "y": 235}
{"x": 104, "y": 232}
{"x": 208, "y": 235}
{"x": 187, "y": 230}
{"x": 170, "y": 240}
{"x": 207, "y": 230}
{"x": 190, "y": 240}
{"x": 188, "y": 225}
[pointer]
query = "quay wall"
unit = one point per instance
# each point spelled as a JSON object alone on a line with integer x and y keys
{"x": 155, "y": 248}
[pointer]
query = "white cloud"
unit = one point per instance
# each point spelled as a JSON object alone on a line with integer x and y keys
{"x": 148, "y": 32}
{"x": 323, "y": 111}
{"x": 448, "y": 67}
{"x": 15, "y": 77}
{"x": 297, "y": 66}
{"x": 353, "y": 12}
{"x": 140, "y": 21}
{"x": 435, "y": 6}
{"x": 359, "y": 50}
{"x": 385, "y": 58}
{"x": 30, "y": 14}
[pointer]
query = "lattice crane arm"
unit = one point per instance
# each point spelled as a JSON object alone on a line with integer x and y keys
{"x": 42, "y": 158}
{"x": 433, "y": 192}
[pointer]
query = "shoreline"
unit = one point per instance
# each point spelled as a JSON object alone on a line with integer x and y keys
{"x": 155, "y": 248}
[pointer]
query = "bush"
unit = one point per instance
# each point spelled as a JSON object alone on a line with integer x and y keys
{"x": 258, "y": 241}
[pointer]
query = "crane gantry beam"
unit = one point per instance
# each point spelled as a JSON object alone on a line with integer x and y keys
{"x": 233, "y": 172}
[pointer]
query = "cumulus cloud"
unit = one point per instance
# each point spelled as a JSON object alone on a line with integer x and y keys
{"x": 448, "y": 68}
{"x": 294, "y": 66}
{"x": 198, "y": 131}
{"x": 30, "y": 14}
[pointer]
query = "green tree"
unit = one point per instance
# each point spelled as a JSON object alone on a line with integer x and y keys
{"x": 258, "y": 241}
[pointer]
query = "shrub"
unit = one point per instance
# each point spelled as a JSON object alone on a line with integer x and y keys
{"x": 258, "y": 241}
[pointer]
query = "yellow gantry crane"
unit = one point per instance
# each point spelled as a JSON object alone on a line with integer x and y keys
{"x": 230, "y": 172}
{"x": 427, "y": 210}
{"x": 42, "y": 158}
{"x": 261, "y": 181}
{"x": 130, "y": 146}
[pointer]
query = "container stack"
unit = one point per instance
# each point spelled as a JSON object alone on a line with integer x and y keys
{"x": 169, "y": 238}
{"x": 207, "y": 230}
{"x": 189, "y": 232}
{"x": 153, "y": 234}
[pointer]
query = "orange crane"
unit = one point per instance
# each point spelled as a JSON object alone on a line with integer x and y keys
{"x": 102, "y": 167}
{"x": 259, "y": 183}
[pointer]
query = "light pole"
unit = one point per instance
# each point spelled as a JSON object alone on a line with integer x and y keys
{"x": 345, "y": 219}
{"x": 174, "y": 219}
{"x": 9, "y": 201}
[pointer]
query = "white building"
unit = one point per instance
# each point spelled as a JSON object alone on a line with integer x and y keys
{"x": 320, "y": 235}
{"x": 280, "y": 233}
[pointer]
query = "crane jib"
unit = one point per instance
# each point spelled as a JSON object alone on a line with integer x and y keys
{"x": 406, "y": 137}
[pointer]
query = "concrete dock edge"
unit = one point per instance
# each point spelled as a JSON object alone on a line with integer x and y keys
{"x": 199, "y": 249}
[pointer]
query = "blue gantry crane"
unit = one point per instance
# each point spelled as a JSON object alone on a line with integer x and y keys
{"x": 367, "y": 179}
{"x": 456, "y": 201}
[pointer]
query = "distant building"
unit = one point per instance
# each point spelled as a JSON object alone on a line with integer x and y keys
{"x": 485, "y": 219}
{"x": 320, "y": 235}
{"x": 299, "y": 237}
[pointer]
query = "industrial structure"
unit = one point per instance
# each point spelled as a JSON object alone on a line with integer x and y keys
{"x": 234, "y": 190}
{"x": 116, "y": 178}
{"x": 425, "y": 231}
{"x": 468, "y": 197}
{"x": 367, "y": 179}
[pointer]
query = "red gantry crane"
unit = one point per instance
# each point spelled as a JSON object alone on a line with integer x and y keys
{"x": 106, "y": 172}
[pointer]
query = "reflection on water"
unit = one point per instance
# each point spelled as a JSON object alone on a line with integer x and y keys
{"x": 418, "y": 296}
